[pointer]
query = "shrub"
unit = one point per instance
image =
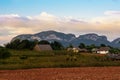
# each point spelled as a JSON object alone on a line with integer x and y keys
{"x": 4, "y": 53}
{"x": 23, "y": 57}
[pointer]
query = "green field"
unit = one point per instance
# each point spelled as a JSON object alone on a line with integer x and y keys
{"x": 26, "y": 59}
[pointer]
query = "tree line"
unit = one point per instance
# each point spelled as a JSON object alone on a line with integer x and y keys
{"x": 26, "y": 44}
{"x": 92, "y": 46}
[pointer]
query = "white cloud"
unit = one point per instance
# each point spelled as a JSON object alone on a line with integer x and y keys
{"x": 110, "y": 17}
{"x": 43, "y": 16}
{"x": 9, "y": 16}
{"x": 113, "y": 13}
{"x": 14, "y": 24}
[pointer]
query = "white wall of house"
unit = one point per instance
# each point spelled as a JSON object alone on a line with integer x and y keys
{"x": 75, "y": 50}
{"x": 102, "y": 52}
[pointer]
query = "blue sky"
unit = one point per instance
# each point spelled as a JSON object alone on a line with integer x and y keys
{"x": 68, "y": 16}
{"x": 76, "y": 8}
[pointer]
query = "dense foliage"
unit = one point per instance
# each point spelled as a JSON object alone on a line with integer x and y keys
{"x": 4, "y": 53}
{"x": 82, "y": 45}
{"x": 92, "y": 46}
{"x": 24, "y": 44}
{"x": 56, "y": 45}
{"x": 43, "y": 42}
{"x": 115, "y": 50}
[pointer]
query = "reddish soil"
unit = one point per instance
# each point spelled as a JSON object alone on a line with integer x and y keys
{"x": 82, "y": 73}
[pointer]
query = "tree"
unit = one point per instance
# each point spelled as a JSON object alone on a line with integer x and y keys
{"x": 82, "y": 45}
{"x": 13, "y": 45}
{"x": 90, "y": 47}
{"x": 56, "y": 45}
{"x": 24, "y": 44}
{"x": 32, "y": 44}
{"x": 4, "y": 53}
{"x": 114, "y": 50}
{"x": 43, "y": 42}
{"x": 102, "y": 45}
{"x": 1, "y": 47}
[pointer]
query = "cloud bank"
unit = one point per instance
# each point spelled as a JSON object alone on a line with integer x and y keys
{"x": 14, "y": 24}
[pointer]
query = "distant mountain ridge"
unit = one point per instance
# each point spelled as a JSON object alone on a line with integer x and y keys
{"x": 67, "y": 39}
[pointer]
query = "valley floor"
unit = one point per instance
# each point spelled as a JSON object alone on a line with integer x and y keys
{"x": 82, "y": 73}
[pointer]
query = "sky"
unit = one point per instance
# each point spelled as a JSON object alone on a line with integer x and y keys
{"x": 69, "y": 16}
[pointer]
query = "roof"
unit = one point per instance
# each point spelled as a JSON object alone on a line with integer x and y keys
{"x": 80, "y": 49}
{"x": 83, "y": 49}
{"x": 44, "y": 47}
{"x": 104, "y": 49}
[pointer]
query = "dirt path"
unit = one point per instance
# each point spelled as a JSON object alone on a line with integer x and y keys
{"x": 87, "y": 73}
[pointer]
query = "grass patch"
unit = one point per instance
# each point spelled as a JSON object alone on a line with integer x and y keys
{"x": 27, "y": 59}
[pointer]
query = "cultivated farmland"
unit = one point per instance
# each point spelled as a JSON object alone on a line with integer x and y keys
{"x": 82, "y": 73}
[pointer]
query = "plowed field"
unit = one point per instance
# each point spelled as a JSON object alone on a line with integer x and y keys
{"x": 82, "y": 73}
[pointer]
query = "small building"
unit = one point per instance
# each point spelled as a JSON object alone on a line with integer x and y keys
{"x": 76, "y": 50}
{"x": 103, "y": 50}
{"x": 43, "y": 47}
{"x": 83, "y": 50}
{"x": 69, "y": 49}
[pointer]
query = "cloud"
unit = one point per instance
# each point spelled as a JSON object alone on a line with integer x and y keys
{"x": 43, "y": 16}
{"x": 9, "y": 16}
{"x": 14, "y": 24}
{"x": 113, "y": 13}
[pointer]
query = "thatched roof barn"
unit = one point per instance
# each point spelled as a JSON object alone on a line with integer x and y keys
{"x": 43, "y": 47}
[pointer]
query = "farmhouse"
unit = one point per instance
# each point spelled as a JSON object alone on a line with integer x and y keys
{"x": 103, "y": 50}
{"x": 76, "y": 50}
{"x": 42, "y": 47}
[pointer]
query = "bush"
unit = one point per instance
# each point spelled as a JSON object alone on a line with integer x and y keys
{"x": 4, "y": 53}
{"x": 23, "y": 57}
